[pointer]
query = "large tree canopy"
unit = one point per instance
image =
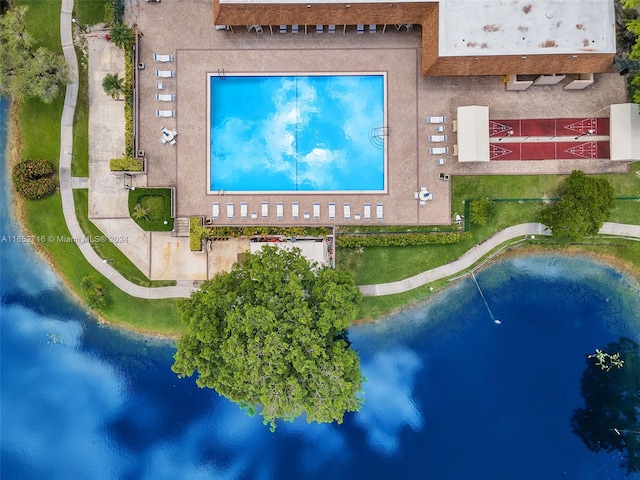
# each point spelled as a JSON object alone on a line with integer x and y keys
{"x": 27, "y": 71}
{"x": 270, "y": 335}
{"x": 584, "y": 206}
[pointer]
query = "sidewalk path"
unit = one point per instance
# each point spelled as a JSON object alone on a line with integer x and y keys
{"x": 476, "y": 253}
{"x": 184, "y": 288}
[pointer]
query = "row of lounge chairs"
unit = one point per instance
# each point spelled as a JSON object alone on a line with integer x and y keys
{"x": 295, "y": 211}
{"x": 320, "y": 28}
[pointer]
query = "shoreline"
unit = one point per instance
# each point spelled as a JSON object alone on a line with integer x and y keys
{"x": 13, "y": 155}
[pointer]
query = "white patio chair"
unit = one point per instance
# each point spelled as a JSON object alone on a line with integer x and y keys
{"x": 319, "y": 28}
{"x": 279, "y": 210}
{"x": 283, "y": 29}
{"x": 243, "y": 211}
{"x": 347, "y": 211}
{"x": 230, "y": 211}
{"x": 165, "y": 97}
{"x": 372, "y": 28}
{"x": 437, "y": 119}
{"x": 438, "y": 150}
{"x": 360, "y": 29}
{"x": 216, "y": 210}
{"x": 265, "y": 210}
{"x": 367, "y": 211}
{"x": 162, "y": 58}
{"x": 294, "y": 28}
{"x": 165, "y": 113}
{"x": 295, "y": 210}
{"x": 332, "y": 28}
{"x": 379, "y": 212}
{"x": 165, "y": 73}
{"x": 160, "y": 86}
{"x": 332, "y": 211}
{"x": 437, "y": 138}
{"x": 316, "y": 210}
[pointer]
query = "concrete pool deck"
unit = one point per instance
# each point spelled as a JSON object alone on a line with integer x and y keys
{"x": 185, "y": 30}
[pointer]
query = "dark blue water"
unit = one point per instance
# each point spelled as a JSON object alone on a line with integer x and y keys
{"x": 450, "y": 394}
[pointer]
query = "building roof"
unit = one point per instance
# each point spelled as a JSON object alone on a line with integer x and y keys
{"x": 625, "y": 132}
{"x": 526, "y": 27}
{"x": 473, "y": 134}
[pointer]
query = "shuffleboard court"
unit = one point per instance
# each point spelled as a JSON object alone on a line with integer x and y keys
{"x": 548, "y": 150}
{"x": 551, "y": 127}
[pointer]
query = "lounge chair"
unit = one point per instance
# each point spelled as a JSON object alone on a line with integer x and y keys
{"x": 216, "y": 210}
{"x": 319, "y": 28}
{"x": 265, "y": 210}
{"x": 332, "y": 28}
{"x": 379, "y": 212}
{"x": 439, "y": 119}
{"x": 165, "y": 113}
{"x": 294, "y": 28}
{"x": 347, "y": 211}
{"x": 367, "y": 211}
{"x": 160, "y": 86}
{"x": 279, "y": 210}
{"x": 360, "y": 29}
{"x": 437, "y": 138}
{"x": 295, "y": 210}
{"x": 243, "y": 211}
{"x": 283, "y": 29}
{"x": 438, "y": 150}
{"x": 230, "y": 211}
{"x": 316, "y": 210}
{"x": 162, "y": 58}
{"x": 165, "y": 97}
{"x": 165, "y": 73}
{"x": 372, "y": 28}
{"x": 332, "y": 211}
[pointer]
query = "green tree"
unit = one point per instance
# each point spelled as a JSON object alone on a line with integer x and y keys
{"x": 27, "y": 71}
{"x": 271, "y": 336}
{"x": 584, "y": 206}
{"x": 113, "y": 85}
{"x": 139, "y": 212}
{"x": 481, "y": 211}
{"x": 122, "y": 35}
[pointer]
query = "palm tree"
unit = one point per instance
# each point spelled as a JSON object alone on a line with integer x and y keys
{"x": 140, "y": 212}
{"x": 122, "y": 35}
{"x": 113, "y": 85}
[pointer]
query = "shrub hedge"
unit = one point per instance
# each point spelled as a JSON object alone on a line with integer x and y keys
{"x": 126, "y": 164}
{"x": 128, "y": 103}
{"x": 34, "y": 178}
{"x": 400, "y": 240}
{"x": 199, "y": 232}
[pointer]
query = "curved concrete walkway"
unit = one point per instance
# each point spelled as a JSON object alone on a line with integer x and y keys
{"x": 184, "y": 289}
{"x": 68, "y": 208}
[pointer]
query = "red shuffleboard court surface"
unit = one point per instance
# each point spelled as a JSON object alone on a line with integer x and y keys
{"x": 548, "y": 150}
{"x": 551, "y": 127}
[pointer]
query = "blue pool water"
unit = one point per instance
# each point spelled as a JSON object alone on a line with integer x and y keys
{"x": 449, "y": 395}
{"x": 297, "y": 133}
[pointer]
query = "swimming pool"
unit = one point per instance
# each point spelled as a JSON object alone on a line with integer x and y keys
{"x": 293, "y": 133}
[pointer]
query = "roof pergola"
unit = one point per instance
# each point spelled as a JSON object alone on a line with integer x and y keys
{"x": 473, "y": 134}
{"x": 625, "y": 132}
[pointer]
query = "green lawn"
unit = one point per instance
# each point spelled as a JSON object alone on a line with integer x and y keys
{"x": 157, "y": 203}
{"x": 80, "y": 161}
{"x": 89, "y": 12}
{"x": 43, "y": 22}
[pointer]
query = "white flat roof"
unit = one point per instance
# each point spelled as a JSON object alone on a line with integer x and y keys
{"x": 526, "y": 27}
{"x": 473, "y": 133}
{"x": 625, "y": 132}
